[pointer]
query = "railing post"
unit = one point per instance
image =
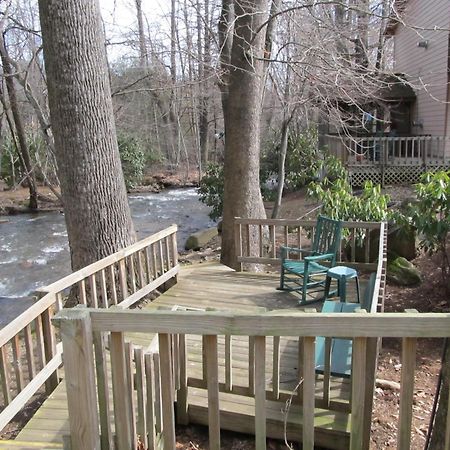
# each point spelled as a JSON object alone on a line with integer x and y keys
{"x": 49, "y": 348}
{"x": 238, "y": 243}
{"x": 76, "y": 333}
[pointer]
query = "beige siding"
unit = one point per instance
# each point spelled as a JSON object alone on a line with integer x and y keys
{"x": 426, "y": 68}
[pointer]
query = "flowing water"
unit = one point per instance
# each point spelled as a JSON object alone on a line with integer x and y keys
{"x": 34, "y": 250}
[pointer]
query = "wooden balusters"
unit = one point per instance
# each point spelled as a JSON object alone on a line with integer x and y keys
{"x": 123, "y": 279}
{"x": 82, "y": 292}
{"x": 228, "y": 363}
{"x": 166, "y": 259}
{"x": 167, "y": 392}
{"x": 141, "y": 271}
{"x": 182, "y": 394}
{"x": 409, "y": 346}
{"x": 276, "y": 368}
{"x": 141, "y": 422}
{"x": 161, "y": 257}
{"x": 101, "y": 369}
{"x": 104, "y": 289}
{"x": 129, "y": 368}
{"x": 260, "y": 392}
{"x": 93, "y": 291}
{"x": 273, "y": 240}
{"x": 251, "y": 365}
{"x": 5, "y": 376}
{"x": 49, "y": 347}
{"x": 29, "y": 351}
{"x": 122, "y": 401}
{"x": 150, "y": 380}
{"x": 213, "y": 392}
{"x": 112, "y": 280}
{"x": 132, "y": 273}
{"x": 358, "y": 391}
{"x": 309, "y": 375}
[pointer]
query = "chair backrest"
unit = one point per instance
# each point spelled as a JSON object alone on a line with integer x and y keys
{"x": 327, "y": 237}
{"x": 368, "y": 293}
{"x": 341, "y": 349}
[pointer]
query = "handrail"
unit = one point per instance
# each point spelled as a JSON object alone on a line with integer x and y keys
{"x": 77, "y": 276}
{"x": 278, "y": 323}
{"x": 25, "y": 318}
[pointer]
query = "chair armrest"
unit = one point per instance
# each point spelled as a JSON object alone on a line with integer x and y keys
{"x": 315, "y": 258}
{"x": 286, "y": 250}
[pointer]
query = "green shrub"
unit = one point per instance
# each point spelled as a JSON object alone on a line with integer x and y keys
{"x": 430, "y": 215}
{"x": 339, "y": 202}
{"x": 133, "y": 159}
{"x": 211, "y": 189}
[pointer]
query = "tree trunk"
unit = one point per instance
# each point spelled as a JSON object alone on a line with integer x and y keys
{"x": 24, "y": 153}
{"x": 242, "y": 194}
{"x": 225, "y": 43}
{"x": 281, "y": 166}
{"x": 92, "y": 185}
{"x": 143, "y": 57}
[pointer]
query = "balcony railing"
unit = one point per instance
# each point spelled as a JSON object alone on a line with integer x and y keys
{"x": 390, "y": 151}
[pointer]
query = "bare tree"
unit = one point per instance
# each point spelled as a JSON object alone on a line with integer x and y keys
{"x": 18, "y": 129}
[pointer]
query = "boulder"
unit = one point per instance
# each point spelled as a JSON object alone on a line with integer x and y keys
{"x": 402, "y": 242}
{"x": 200, "y": 239}
{"x": 403, "y": 273}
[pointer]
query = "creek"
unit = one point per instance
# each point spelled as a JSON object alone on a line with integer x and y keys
{"x": 34, "y": 250}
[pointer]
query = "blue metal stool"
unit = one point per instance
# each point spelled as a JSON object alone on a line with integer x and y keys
{"x": 341, "y": 274}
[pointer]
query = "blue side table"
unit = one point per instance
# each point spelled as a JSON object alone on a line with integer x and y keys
{"x": 341, "y": 274}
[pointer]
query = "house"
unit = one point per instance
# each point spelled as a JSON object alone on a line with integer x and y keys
{"x": 421, "y": 53}
{"x": 417, "y": 135}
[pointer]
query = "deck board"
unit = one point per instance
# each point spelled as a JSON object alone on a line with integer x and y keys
{"x": 206, "y": 286}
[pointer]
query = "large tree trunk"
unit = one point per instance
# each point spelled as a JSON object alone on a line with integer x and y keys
{"x": 92, "y": 185}
{"x": 242, "y": 194}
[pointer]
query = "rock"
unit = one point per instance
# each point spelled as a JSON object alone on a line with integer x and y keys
{"x": 402, "y": 242}
{"x": 200, "y": 239}
{"x": 403, "y": 273}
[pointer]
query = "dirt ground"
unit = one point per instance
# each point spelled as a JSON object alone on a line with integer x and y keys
{"x": 428, "y": 296}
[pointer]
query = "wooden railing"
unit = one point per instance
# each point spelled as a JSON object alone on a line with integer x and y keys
{"x": 392, "y": 151}
{"x": 30, "y": 354}
{"x": 79, "y": 327}
{"x": 259, "y": 240}
{"x": 123, "y": 278}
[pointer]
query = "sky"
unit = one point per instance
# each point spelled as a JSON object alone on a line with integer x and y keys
{"x": 120, "y": 20}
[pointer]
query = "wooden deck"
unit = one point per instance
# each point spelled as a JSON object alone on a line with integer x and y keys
{"x": 206, "y": 286}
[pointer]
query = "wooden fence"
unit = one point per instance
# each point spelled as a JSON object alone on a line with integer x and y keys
{"x": 30, "y": 352}
{"x": 79, "y": 327}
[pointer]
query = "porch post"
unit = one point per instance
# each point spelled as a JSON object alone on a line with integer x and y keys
{"x": 76, "y": 333}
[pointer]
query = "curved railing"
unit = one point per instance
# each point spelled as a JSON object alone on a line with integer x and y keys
{"x": 30, "y": 352}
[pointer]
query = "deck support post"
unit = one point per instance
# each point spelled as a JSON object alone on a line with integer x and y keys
{"x": 76, "y": 333}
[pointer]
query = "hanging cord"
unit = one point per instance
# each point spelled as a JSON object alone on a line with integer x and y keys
{"x": 436, "y": 396}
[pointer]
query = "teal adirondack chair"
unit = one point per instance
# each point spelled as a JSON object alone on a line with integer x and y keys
{"x": 341, "y": 349}
{"x": 307, "y": 276}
